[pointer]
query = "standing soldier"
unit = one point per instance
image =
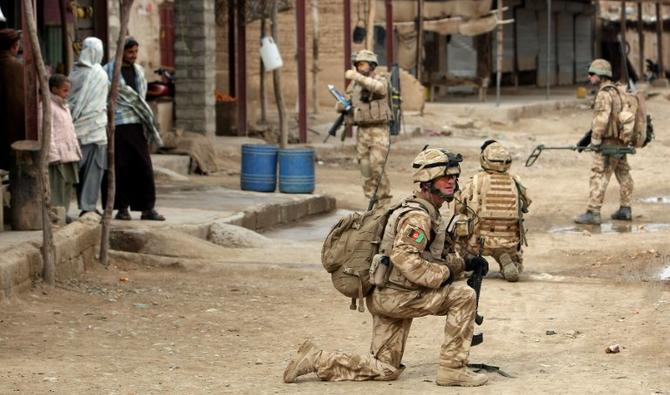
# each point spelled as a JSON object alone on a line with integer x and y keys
{"x": 498, "y": 201}
{"x": 371, "y": 113}
{"x": 421, "y": 282}
{"x": 608, "y": 105}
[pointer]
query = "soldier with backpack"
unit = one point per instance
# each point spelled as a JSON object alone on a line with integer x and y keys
{"x": 610, "y": 122}
{"x": 415, "y": 274}
{"x": 369, "y": 95}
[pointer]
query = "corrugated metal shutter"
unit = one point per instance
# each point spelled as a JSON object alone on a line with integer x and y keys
{"x": 527, "y": 39}
{"x": 461, "y": 56}
{"x": 583, "y": 46}
{"x": 566, "y": 48}
{"x": 542, "y": 56}
{"x": 508, "y": 47}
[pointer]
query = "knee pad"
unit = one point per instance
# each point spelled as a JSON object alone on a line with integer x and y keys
{"x": 366, "y": 170}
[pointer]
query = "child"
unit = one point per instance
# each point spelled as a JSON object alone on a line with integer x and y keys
{"x": 64, "y": 153}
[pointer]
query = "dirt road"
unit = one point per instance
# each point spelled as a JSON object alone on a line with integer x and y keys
{"x": 229, "y": 323}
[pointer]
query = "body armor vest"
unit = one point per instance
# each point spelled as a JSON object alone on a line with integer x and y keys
{"x": 496, "y": 202}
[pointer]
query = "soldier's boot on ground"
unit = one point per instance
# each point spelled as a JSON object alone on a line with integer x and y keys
{"x": 509, "y": 270}
{"x": 461, "y": 377}
{"x": 589, "y": 218}
{"x": 623, "y": 214}
{"x": 303, "y": 362}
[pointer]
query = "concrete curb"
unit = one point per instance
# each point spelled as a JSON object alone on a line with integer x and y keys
{"x": 76, "y": 246}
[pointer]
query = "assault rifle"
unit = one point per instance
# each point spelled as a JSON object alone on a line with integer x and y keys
{"x": 584, "y": 144}
{"x": 475, "y": 282}
{"x": 347, "y": 107}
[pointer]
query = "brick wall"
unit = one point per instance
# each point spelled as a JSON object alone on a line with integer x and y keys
{"x": 331, "y": 63}
{"x": 195, "y": 61}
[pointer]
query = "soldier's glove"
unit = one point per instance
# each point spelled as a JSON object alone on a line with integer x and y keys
{"x": 353, "y": 75}
{"x": 476, "y": 262}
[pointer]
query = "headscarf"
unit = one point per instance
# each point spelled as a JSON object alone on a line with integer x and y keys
{"x": 8, "y": 37}
{"x": 88, "y": 96}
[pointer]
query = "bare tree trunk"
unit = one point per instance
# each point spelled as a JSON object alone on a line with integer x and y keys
{"x": 125, "y": 6}
{"x": 49, "y": 269}
{"x": 276, "y": 80}
{"x": 315, "y": 55}
{"x": 370, "y": 37}
{"x": 264, "y": 101}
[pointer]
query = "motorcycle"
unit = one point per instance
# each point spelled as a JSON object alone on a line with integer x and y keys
{"x": 165, "y": 87}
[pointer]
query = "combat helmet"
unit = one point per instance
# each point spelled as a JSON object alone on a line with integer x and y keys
{"x": 433, "y": 163}
{"x": 495, "y": 157}
{"x": 601, "y": 67}
{"x": 365, "y": 55}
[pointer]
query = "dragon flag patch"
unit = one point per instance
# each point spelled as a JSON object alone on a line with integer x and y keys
{"x": 416, "y": 235}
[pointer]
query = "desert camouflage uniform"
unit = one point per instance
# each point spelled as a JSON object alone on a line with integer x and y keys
{"x": 371, "y": 114}
{"x": 500, "y": 200}
{"x": 607, "y": 105}
{"x": 420, "y": 266}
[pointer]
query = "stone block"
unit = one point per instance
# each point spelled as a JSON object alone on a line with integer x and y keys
{"x": 267, "y": 216}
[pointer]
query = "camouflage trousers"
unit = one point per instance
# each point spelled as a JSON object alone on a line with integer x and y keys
{"x": 392, "y": 313}
{"x": 601, "y": 172}
{"x": 372, "y": 144}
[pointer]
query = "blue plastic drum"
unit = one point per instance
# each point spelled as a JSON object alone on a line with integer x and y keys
{"x": 259, "y": 168}
{"x": 296, "y": 170}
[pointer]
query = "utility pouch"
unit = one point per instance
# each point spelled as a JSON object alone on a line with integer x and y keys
{"x": 380, "y": 270}
{"x": 461, "y": 228}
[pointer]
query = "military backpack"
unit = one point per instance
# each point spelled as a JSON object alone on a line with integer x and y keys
{"x": 633, "y": 124}
{"x": 349, "y": 249}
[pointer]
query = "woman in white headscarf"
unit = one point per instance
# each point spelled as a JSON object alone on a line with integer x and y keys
{"x": 88, "y": 104}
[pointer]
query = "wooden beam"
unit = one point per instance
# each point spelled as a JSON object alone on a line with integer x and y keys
{"x": 659, "y": 41}
{"x": 370, "y": 36}
{"x": 499, "y": 50}
{"x": 390, "y": 33}
{"x": 623, "y": 69}
{"x": 419, "y": 41}
{"x": 640, "y": 43}
{"x": 241, "y": 68}
{"x": 302, "y": 71}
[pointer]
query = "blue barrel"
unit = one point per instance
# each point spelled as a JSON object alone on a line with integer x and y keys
{"x": 296, "y": 170}
{"x": 259, "y": 167}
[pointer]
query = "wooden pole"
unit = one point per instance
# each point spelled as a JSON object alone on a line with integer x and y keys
{"x": 302, "y": 72}
{"x": 232, "y": 60}
{"x": 623, "y": 70}
{"x": 659, "y": 42}
{"x": 241, "y": 68}
{"x": 548, "y": 49}
{"x": 67, "y": 62}
{"x": 124, "y": 7}
{"x": 346, "y": 18}
{"x": 315, "y": 56}
{"x": 276, "y": 81}
{"x": 640, "y": 41}
{"x": 370, "y": 36}
{"x": 419, "y": 41}
{"x": 48, "y": 259}
{"x": 499, "y": 54}
{"x": 263, "y": 89}
{"x": 390, "y": 34}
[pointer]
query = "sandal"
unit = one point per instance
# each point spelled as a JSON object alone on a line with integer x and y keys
{"x": 152, "y": 215}
{"x": 123, "y": 214}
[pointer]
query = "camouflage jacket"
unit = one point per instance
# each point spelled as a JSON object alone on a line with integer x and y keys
{"x": 369, "y": 100}
{"x": 607, "y": 106}
{"x": 418, "y": 255}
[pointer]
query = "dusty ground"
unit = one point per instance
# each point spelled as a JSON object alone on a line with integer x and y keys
{"x": 230, "y": 322}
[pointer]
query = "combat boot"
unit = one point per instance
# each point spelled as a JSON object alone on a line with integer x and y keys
{"x": 303, "y": 362}
{"x": 589, "y": 218}
{"x": 623, "y": 214}
{"x": 461, "y": 377}
{"x": 509, "y": 270}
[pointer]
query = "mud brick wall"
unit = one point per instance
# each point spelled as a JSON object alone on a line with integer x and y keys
{"x": 76, "y": 244}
